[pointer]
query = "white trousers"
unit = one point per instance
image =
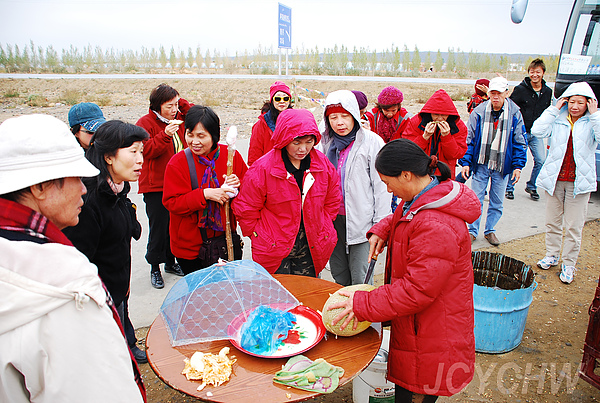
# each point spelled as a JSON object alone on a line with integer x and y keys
{"x": 568, "y": 212}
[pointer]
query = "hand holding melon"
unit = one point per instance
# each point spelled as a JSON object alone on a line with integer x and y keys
{"x": 338, "y": 309}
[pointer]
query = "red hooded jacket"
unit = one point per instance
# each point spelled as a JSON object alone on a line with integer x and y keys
{"x": 158, "y": 148}
{"x": 261, "y": 141}
{"x": 269, "y": 206}
{"x": 428, "y": 291}
{"x": 184, "y": 204}
{"x": 448, "y": 148}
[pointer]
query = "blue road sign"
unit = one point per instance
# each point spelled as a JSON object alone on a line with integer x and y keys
{"x": 285, "y": 27}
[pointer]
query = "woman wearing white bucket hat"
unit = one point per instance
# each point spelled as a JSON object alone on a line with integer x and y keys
{"x": 569, "y": 173}
{"x": 59, "y": 311}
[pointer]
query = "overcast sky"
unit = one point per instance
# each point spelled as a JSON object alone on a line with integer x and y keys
{"x": 238, "y": 25}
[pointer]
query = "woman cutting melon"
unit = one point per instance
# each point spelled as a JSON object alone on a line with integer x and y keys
{"x": 428, "y": 290}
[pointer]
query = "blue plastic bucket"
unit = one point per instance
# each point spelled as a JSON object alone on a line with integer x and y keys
{"x": 502, "y": 294}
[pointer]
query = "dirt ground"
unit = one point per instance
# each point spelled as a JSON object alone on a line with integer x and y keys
{"x": 544, "y": 366}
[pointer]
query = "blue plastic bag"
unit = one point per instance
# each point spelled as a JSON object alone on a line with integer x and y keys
{"x": 265, "y": 330}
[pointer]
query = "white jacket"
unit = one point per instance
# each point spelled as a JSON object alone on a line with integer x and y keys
{"x": 58, "y": 339}
{"x": 365, "y": 195}
{"x": 586, "y": 135}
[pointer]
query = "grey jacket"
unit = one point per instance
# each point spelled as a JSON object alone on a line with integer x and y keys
{"x": 365, "y": 195}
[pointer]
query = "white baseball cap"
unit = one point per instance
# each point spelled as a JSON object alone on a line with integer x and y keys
{"x": 36, "y": 149}
{"x": 499, "y": 84}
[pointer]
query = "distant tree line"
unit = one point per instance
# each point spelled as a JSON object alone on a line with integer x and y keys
{"x": 263, "y": 60}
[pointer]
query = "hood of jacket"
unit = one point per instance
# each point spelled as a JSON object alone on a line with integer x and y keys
{"x": 581, "y": 88}
{"x": 292, "y": 123}
{"x": 347, "y": 100}
{"x": 449, "y": 197}
{"x": 36, "y": 279}
{"x": 440, "y": 103}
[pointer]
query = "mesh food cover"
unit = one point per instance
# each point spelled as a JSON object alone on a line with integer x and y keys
{"x": 201, "y": 305}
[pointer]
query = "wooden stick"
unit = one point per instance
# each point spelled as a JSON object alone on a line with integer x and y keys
{"x": 231, "y": 137}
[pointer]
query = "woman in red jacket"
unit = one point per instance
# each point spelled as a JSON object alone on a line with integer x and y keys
{"x": 438, "y": 130}
{"x": 195, "y": 211}
{"x": 289, "y": 199}
{"x": 163, "y": 124}
{"x": 389, "y": 118}
{"x": 428, "y": 290}
{"x": 261, "y": 141}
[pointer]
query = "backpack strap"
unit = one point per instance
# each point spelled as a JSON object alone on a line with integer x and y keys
{"x": 192, "y": 167}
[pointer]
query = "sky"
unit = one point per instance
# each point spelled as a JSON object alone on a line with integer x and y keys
{"x": 231, "y": 26}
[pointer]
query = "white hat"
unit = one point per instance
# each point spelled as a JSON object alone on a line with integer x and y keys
{"x": 499, "y": 84}
{"x": 39, "y": 148}
{"x": 581, "y": 88}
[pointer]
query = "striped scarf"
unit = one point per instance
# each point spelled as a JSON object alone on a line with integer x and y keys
{"x": 211, "y": 215}
{"x": 493, "y": 140}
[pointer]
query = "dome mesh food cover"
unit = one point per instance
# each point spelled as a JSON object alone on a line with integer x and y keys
{"x": 201, "y": 305}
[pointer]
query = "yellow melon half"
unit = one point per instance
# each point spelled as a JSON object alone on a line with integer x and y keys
{"x": 328, "y": 316}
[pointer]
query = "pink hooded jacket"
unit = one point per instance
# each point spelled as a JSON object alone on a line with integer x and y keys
{"x": 270, "y": 205}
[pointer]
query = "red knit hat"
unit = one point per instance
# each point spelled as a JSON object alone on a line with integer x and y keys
{"x": 483, "y": 81}
{"x": 334, "y": 108}
{"x": 390, "y": 96}
{"x": 276, "y": 87}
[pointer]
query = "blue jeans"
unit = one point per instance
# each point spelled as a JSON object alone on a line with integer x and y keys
{"x": 479, "y": 182}
{"x": 538, "y": 151}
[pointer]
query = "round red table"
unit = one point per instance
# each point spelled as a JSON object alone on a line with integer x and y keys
{"x": 252, "y": 378}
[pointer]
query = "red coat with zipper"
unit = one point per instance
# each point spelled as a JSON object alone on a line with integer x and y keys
{"x": 428, "y": 291}
{"x": 158, "y": 148}
{"x": 185, "y": 204}
{"x": 261, "y": 141}
{"x": 269, "y": 206}
{"x": 401, "y": 118}
{"x": 447, "y": 148}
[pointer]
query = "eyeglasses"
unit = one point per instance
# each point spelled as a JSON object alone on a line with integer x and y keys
{"x": 279, "y": 99}
{"x": 87, "y": 132}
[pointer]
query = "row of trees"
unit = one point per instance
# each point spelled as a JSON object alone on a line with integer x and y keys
{"x": 331, "y": 61}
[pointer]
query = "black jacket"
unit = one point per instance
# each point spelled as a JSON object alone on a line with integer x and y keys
{"x": 107, "y": 223}
{"x": 529, "y": 102}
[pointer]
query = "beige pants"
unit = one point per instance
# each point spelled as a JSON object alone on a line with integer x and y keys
{"x": 568, "y": 212}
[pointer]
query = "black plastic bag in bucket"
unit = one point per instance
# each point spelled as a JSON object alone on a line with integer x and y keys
{"x": 502, "y": 294}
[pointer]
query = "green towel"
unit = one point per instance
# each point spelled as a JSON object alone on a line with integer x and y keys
{"x": 314, "y": 376}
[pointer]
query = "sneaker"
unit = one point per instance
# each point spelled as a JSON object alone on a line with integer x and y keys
{"x": 567, "y": 273}
{"x": 174, "y": 269}
{"x": 156, "y": 279}
{"x": 509, "y": 195}
{"x": 533, "y": 194}
{"x": 547, "y": 262}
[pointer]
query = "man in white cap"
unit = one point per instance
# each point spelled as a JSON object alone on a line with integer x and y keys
{"x": 496, "y": 153}
{"x": 60, "y": 337}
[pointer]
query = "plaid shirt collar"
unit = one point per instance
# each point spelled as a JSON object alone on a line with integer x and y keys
{"x": 19, "y": 218}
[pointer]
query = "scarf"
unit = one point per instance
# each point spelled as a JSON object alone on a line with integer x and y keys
{"x": 17, "y": 217}
{"x": 340, "y": 142}
{"x": 386, "y": 127}
{"x": 211, "y": 215}
{"x": 177, "y": 143}
{"x": 493, "y": 140}
{"x": 269, "y": 120}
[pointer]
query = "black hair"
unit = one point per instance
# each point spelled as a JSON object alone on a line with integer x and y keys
{"x": 108, "y": 139}
{"x": 161, "y": 94}
{"x": 538, "y": 62}
{"x": 208, "y": 118}
{"x": 404, "y": 155}
{"x": 75, "y": 129}
{"x": 268, "y": 106}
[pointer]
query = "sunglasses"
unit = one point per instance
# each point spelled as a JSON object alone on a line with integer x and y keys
{"x": 87, "y": 132}
{"x": 279, "y": 99}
